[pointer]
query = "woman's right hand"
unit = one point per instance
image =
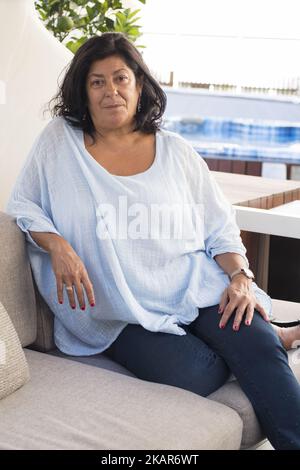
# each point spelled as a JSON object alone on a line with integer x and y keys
{"x": 70, "y": 274}
{"x": 68, "y": 268}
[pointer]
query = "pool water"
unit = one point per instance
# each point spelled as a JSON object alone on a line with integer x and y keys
{"x": 240, "y": 139}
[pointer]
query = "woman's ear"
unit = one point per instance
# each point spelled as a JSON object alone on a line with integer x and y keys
{"x": 140, "y": 83}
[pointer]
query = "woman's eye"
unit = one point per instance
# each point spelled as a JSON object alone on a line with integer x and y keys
{"x": 97, "y": 83}
{"x": 122, "y": 78}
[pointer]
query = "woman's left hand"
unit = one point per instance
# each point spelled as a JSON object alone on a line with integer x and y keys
{"x": 239, "y": 297}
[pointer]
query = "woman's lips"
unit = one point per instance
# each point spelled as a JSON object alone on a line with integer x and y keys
{"x": 113, "y": 106}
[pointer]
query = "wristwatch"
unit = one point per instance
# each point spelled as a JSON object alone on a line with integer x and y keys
{"x": 245, "y": 271}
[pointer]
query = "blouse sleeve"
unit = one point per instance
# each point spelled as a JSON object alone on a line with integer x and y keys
{"x": 221, "y": 232}
{"x": 29, "y": 199}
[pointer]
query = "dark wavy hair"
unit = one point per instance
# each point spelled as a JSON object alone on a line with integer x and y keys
{"x": 71, "y": 99}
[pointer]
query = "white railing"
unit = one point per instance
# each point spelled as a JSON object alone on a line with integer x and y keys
{"x": 275, "y": 221}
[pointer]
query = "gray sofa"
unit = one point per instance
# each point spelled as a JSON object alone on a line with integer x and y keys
{"x": 92, "y": 402}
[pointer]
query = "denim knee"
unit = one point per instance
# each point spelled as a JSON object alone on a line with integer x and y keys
{"x": 265, "y": 343}
{"x": 206, "y": 381}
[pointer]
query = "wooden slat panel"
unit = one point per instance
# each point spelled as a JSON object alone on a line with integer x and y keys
{"x": 288, "y": 171}
{"x": 278, "y": 200}
{"x": 256, "y": 203}
{"x": 253, "y": 168}
{"x": 242, "y": 188}
{"x": 225, "y": 165}
{"x": 264, "y": 202}
{"x": 295, "y": 194}
{"x": 288, "y": 197}
{"x": 251, "y": 242}
{"x": 262, "y": 265}
{"x": 213, "y": 164}
{"x": 239, "y": 167}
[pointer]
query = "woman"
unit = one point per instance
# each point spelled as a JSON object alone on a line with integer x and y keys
{"x": 125, "y": 220}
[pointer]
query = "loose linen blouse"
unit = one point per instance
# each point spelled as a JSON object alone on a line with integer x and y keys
{"x": 148, "y": 241}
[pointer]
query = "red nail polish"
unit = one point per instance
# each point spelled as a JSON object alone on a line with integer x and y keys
{"x": 73, "y": 306}
{"x": 92, "y": 305}
{"x": 222, "y": 326}
{"x": 60, "y": 301}
{"x": 235, "y": 327}
{"x": 82, "y": 308}
{"x": 247, "y": 322}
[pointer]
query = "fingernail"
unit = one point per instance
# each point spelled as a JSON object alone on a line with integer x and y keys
{"x": 247, "y": 322}
{"x": 73, "y": 306}
{"x": 222, "y": 325}
{"x": 82, "y": 308}
{"x": 92, "y": 305}
{"x": 235, "y": 327}
{"x": 60, "y": 301}
{"x": 220, "y": 310}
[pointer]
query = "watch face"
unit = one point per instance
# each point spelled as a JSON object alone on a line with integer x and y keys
{"x": 248, "y": 273}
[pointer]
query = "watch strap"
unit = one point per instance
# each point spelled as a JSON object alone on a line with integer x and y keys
{"x": 241, "y": 271}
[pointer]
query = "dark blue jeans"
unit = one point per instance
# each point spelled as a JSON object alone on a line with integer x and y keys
{"x": 202, "y": 360}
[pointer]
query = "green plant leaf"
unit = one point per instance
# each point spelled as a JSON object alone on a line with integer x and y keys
{"x": 92, "y": 12}
{"x": 133, "y": 31}
{"x": 80, "y": 22}
{"x": 131, "y": 14}
{"x": 87, "y": 18}
{"x": 109, "y": 23}
{"x": 64, "y": 23}
{"x": 75, "y": 45}
{"x": 53, "y": 7}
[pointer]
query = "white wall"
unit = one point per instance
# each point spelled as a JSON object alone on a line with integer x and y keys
{"x": 198, "y": 103}
{"x": 31, "y": 60}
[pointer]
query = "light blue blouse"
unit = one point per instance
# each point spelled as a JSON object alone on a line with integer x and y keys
{"x": 139, "y": 275}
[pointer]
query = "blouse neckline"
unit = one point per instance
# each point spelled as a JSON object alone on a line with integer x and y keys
{"x": 149, "y": 170}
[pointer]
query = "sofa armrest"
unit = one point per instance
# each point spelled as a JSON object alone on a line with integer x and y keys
{"x": 285, "y": 311}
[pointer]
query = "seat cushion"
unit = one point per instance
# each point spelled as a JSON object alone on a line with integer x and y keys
{"x": 16, "y": 286}
{"x": 14, "y": 370}
{"x": 232, "y": 395}
{"x": 68, "y": 405}
{"x": 285, "y": 311}
{"x": 97, "y": 360}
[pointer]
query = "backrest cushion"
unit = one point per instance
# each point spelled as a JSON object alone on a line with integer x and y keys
{"x": 16, "y": 284}
{"x": 45, "y": 325}
{"x": 14, "y": 370}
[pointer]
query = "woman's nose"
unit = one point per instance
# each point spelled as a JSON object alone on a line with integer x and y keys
{"x": 111, "y": 89}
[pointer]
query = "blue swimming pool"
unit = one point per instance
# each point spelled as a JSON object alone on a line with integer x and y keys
{"x": 240, "y": 139}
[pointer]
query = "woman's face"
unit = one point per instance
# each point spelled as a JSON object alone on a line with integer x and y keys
{"x": 112, "y": 93}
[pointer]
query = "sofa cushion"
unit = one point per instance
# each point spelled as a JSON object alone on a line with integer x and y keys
{"x": 14, "y": 370}
{"x": 96, "y": 360}
{"x": 68, "y": 405}
{"x": 232, "y": 395}
{"x": 285, "y": 311}
{"x": 45, "y": 325}
{"x": 16, "y": 286}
